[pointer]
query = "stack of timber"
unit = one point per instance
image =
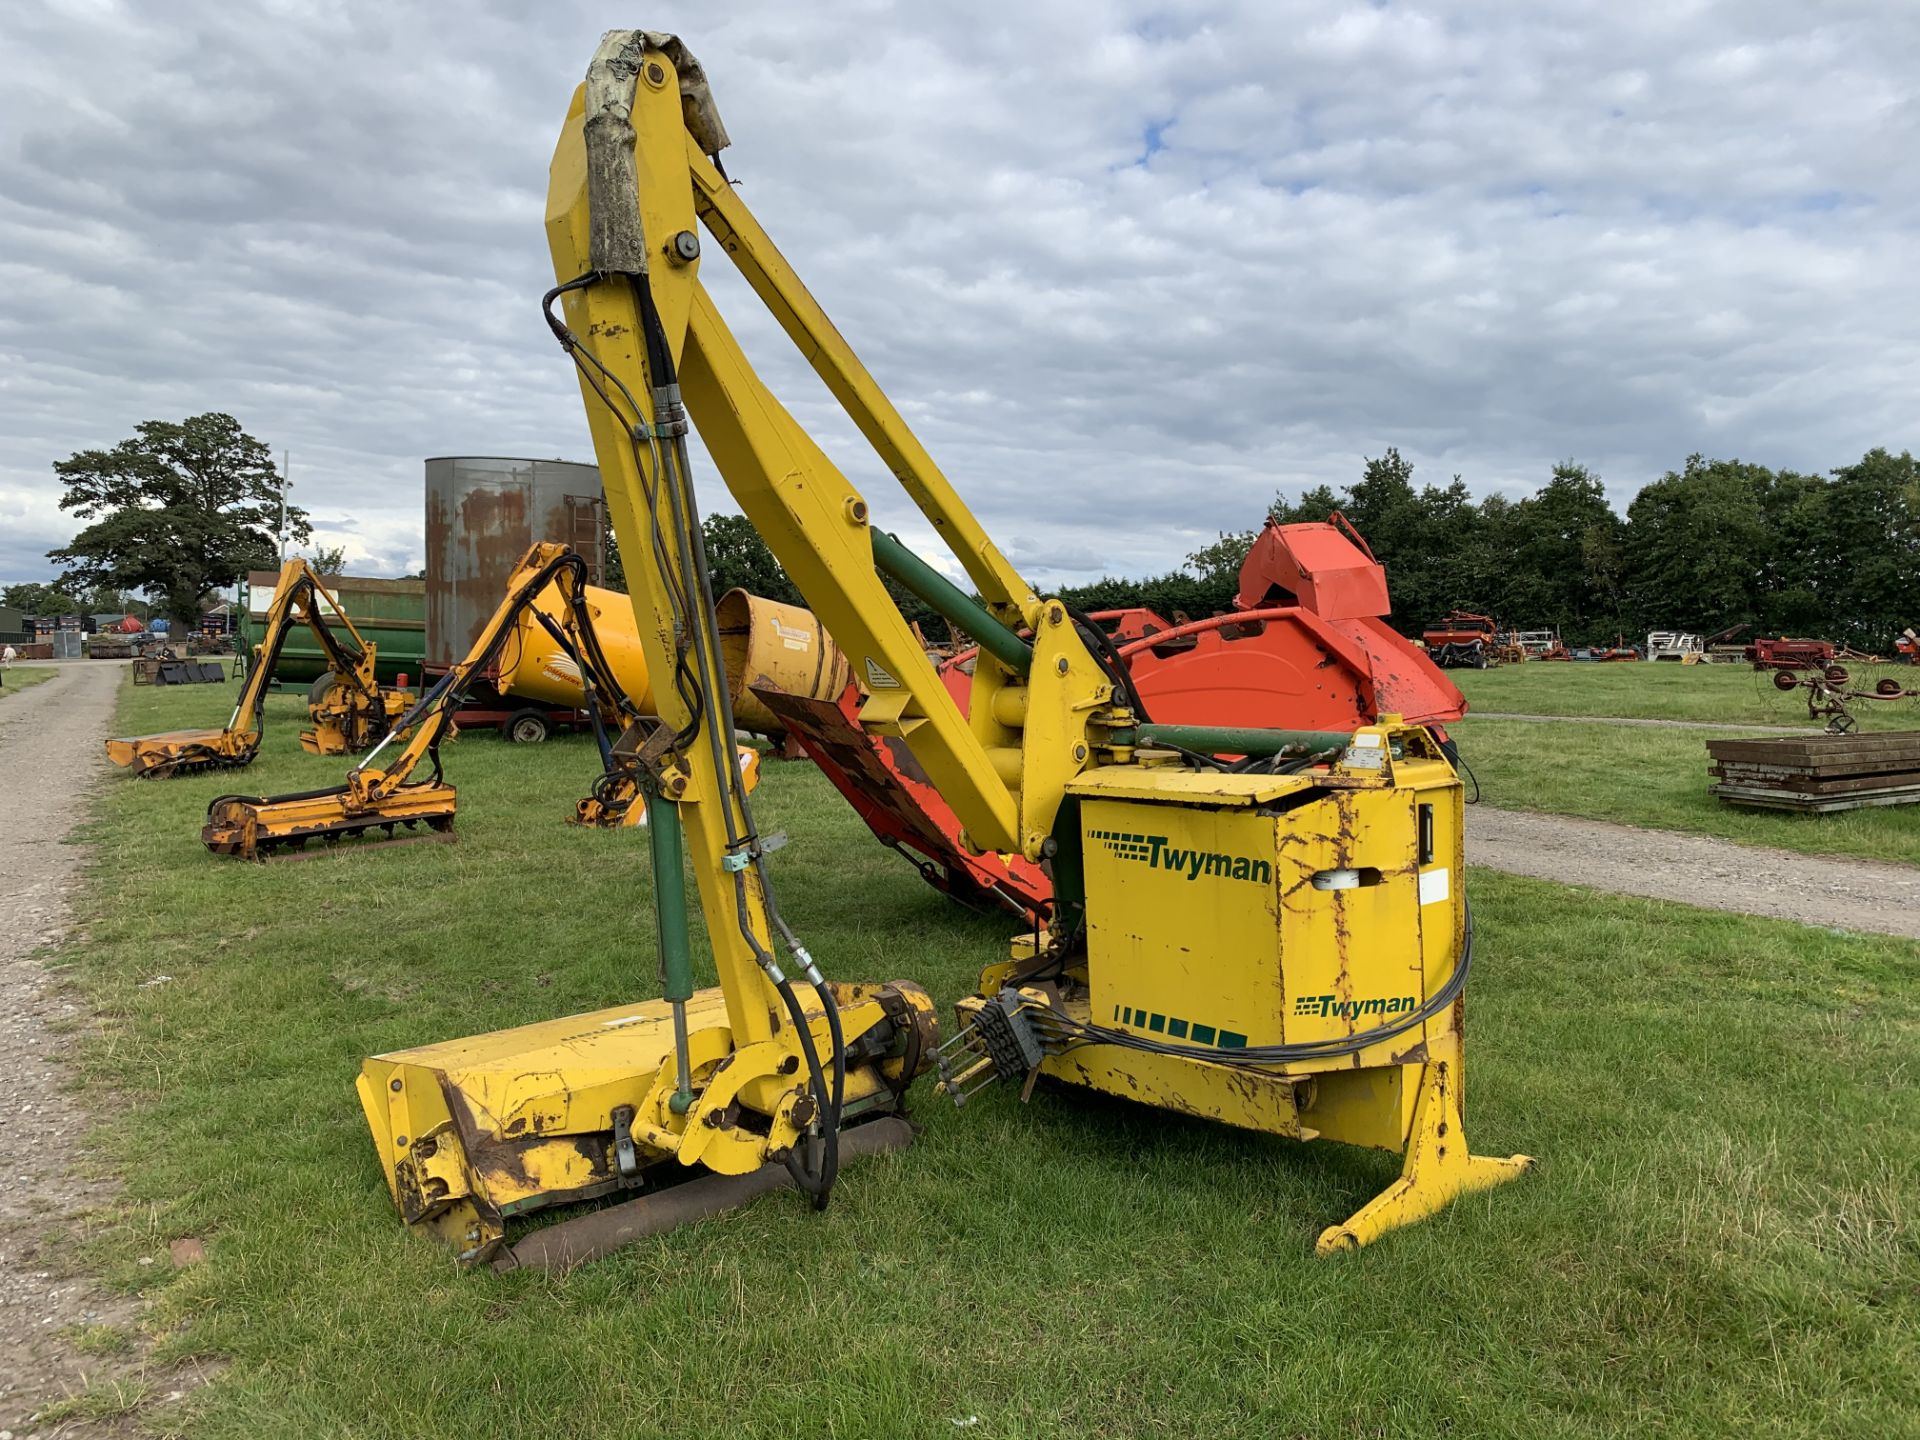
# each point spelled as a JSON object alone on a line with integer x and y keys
{"x": 1817, "y": 774}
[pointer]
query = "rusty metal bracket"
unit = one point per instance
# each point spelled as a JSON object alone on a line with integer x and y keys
{"x": 625, "y": 1157}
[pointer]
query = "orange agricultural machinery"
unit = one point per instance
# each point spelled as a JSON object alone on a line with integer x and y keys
{"x": 1463, "y": 641}
{"x": 349, "y": 708}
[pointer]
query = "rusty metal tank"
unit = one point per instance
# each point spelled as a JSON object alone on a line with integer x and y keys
{"x": 763, "y": 642}
{"x": 483, "y": 511}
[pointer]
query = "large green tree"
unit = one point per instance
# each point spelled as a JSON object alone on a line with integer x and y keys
{"x": 738, "y": 558}
{"x": 1857, "y": 549}
{"x": 1699, "y": 547}
{"x": 179, "y": 510}
{"x": 1566, "y": 542}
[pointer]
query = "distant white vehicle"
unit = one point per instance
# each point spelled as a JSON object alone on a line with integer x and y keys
{"x": 1674, "y": 645}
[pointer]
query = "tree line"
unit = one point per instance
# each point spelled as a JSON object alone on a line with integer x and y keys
{"x": 181, "y": 509}
{"x": 178, "y": 510}
{"x": 1712, "y": 545}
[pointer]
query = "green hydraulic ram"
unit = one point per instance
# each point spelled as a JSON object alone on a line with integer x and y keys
{"x": 953, "y": 603}
{"x": 670, "y": 911}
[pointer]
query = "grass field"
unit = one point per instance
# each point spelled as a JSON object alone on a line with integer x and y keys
{"x": 25, "y": 677}
{"x": 1638, "y": 775}
{"x": 1723, "y": 1236}
{"x": 1725, "y": 694}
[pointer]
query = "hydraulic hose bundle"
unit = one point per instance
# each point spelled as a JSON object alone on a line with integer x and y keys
{"x": 660, "y": 456}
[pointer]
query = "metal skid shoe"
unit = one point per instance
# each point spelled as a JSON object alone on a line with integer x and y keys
{"x": 1439, "y": 1168}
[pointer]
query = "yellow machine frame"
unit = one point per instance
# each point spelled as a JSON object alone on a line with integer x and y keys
{"x": 1053, "y": 759}
{"x": 354, "y": 711}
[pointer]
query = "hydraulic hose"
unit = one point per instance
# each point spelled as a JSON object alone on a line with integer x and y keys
{"x": 702, "y": 687}
{"x": 836, "y": 1035}
{"x": 684, "y": 509}
{"x": 1257, "y": 1055}
{"x": 817, "y": 1184}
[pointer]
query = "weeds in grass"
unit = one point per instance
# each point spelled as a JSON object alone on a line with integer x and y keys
{"x": 101, "y": 1400}
{"x": 97, "y": 1339}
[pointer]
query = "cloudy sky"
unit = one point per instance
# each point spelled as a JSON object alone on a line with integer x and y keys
{"x": 1129, "y": 269}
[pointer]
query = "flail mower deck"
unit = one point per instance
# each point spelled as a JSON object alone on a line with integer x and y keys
{"x": 258, "y": 827}
{"x": 179, "y": 752}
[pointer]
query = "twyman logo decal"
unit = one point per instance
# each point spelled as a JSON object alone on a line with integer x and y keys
{"x": 1333, "y": 1007}
{"x": 1155, "y": 853}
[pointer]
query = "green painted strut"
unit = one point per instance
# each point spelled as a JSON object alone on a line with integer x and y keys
{"x": 951, "y": 602}
{"x": 668, "y": 842}
{"x": 1233, "y": 739}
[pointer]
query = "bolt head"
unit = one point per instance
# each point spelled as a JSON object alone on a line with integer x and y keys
{"x": 1060, "y": 665}
{"x": 395, "y": 1086}
{"x": 656, "y": 73}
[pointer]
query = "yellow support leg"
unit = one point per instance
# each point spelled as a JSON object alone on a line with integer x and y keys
{"x": 1439, "y": 1168}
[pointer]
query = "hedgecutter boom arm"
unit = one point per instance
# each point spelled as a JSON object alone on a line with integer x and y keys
{"x": 377, "y": 796}
{"x": 1326, "y": 859}
{"x": 349, "y": 717}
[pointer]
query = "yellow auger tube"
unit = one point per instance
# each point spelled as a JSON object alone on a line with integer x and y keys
{"x": 534, "y": 666}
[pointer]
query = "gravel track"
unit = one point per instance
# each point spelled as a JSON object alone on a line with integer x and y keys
{"x": 1656, "y": 724}
{"x": 1834, "y": 892}
{"x": 51, "y": 758}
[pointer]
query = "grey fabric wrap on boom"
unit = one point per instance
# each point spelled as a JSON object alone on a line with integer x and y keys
{"x": 616, "y": 243}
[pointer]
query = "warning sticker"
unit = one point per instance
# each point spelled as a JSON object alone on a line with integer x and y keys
{"x": 878, "y": 678}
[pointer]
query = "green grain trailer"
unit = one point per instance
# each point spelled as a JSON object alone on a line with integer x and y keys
{"x": 391, "y": 615}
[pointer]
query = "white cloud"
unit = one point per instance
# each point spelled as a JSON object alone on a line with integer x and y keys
{"x": 1127, "y": 271}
